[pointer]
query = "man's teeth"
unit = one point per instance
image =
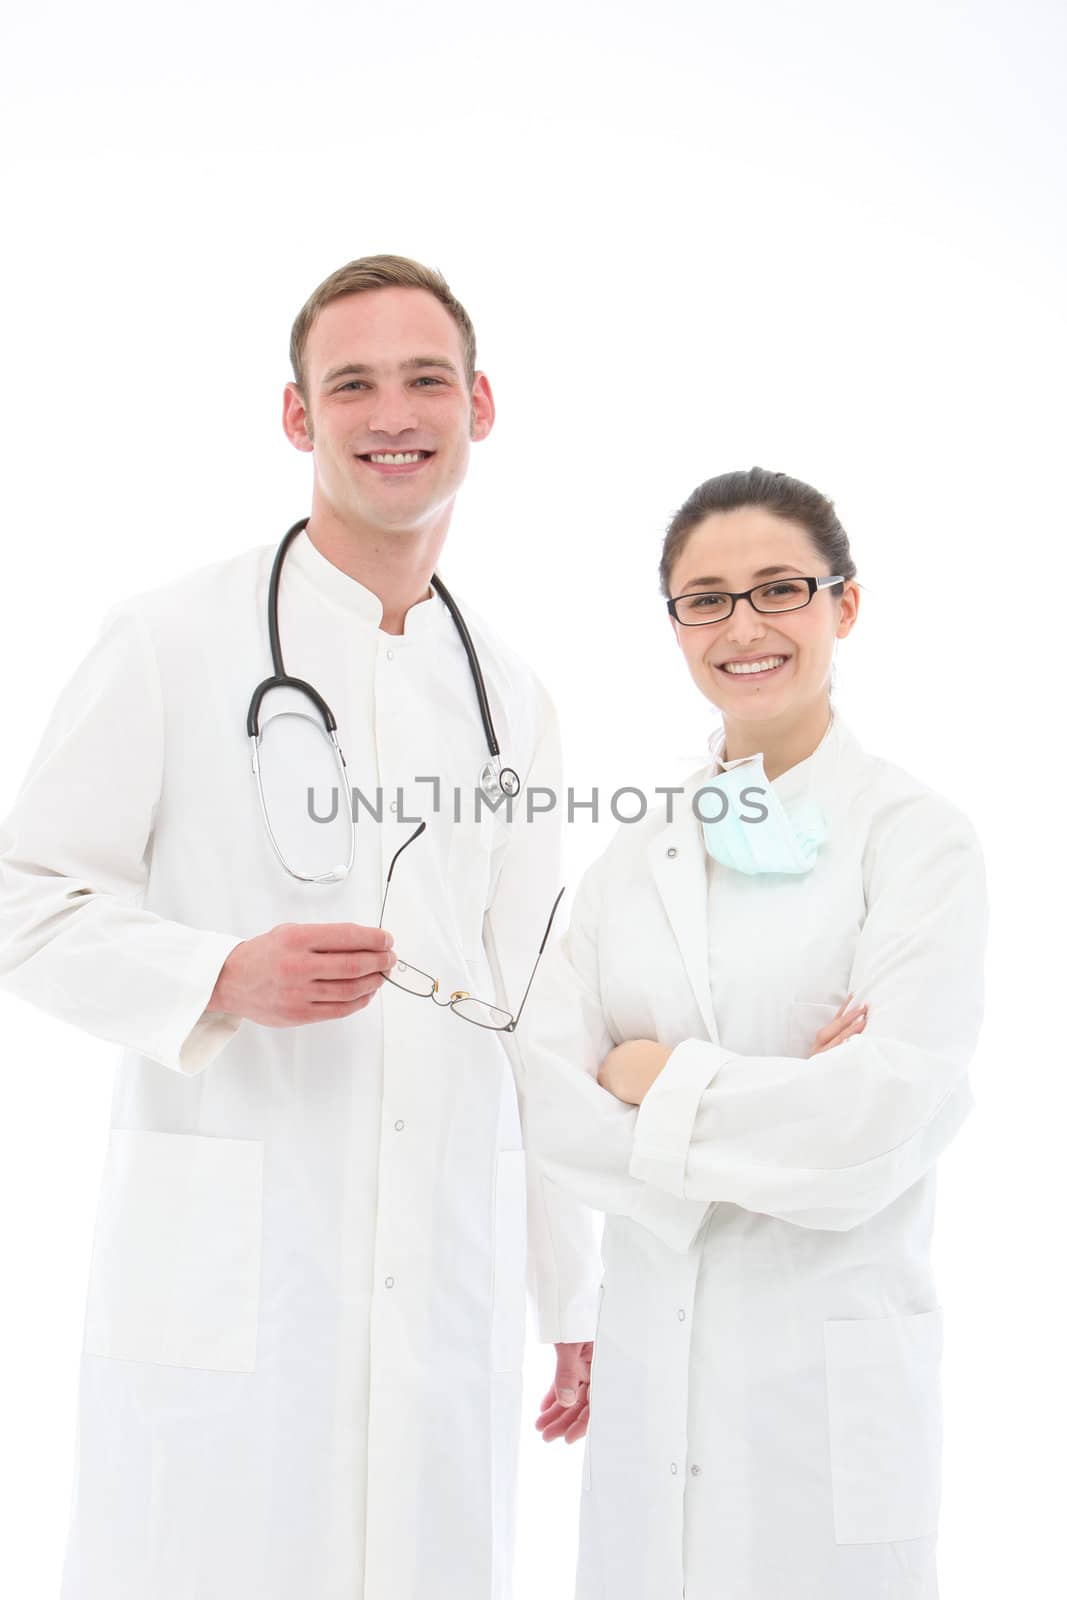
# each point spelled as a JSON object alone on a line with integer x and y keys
{"x": 400, "y": 461}
{"x": 753, "y": 666}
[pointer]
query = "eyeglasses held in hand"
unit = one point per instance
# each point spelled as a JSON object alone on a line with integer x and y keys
{"x": 414, "y": 981}
{"x": 783, "y": 594}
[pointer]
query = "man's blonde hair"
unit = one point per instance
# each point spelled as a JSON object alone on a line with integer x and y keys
{"x": 377, "y": 272}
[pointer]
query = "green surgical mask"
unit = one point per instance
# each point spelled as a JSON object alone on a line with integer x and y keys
{"x": 747, "y": 828}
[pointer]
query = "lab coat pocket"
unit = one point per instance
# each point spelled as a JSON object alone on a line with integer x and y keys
{"x": 806, "y": 1017}
{"x": 883, "y": 1379}
{"x": 509, "y": 1261}
{"x": 176, "y": 1255}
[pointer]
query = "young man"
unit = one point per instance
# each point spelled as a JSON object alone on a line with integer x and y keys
{"x": 304, "y": 1330}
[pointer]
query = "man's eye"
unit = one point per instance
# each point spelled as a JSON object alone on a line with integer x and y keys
{"x": 428, "y": 380}
{"x": 353, "y": 383}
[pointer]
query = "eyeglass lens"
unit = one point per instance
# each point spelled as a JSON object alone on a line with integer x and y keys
{"x": 785, "y": 594}
{"x": 414, "y": 981}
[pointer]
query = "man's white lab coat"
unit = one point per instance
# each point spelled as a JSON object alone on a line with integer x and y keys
{"x": 305, "y": 1319}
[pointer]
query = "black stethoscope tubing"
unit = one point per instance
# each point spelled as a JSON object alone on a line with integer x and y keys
{"x": 282, "y": 680}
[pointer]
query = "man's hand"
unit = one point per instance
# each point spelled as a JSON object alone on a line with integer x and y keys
{"x": 303, "y": 972}
{"x": 630, "y": 1070}
{"x": 565, "y": 1408}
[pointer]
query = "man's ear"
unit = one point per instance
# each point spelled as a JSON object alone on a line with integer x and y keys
{"x": 483, "y": 407}
{"x": 296, "y": 419}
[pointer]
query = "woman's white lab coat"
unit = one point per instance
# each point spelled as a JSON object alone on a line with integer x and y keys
{"x": 304, "y": 1329}
{"x": 765, "y": 1420}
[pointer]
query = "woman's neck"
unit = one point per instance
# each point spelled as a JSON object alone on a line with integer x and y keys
{"x": 784, "y": 740}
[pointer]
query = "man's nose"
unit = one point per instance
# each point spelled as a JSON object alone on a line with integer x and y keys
{"x": 393, "y": 412}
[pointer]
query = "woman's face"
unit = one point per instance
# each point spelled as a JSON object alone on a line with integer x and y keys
{"x": 735, "y": 550}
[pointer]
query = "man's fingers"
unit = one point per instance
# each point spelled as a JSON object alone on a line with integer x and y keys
{"x": 552, "y": 1413}
{"x": 579, "y": 1428}
{"x": 555, "y": 1420}
{"x": 342, "y": 968}
{"x": 334, "y": 992}
{"x": 569, "y": 1425}
{"x": 330, "y": 937}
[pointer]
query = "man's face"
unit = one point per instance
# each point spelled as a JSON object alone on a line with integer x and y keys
{"x": 384, "y": 375}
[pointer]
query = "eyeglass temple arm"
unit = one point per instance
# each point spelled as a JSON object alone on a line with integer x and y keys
{"x": 389, "y": 876}
{"x": 540, "y": 953}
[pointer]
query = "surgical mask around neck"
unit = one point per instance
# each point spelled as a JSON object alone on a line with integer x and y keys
{"x": 747, "y": 828}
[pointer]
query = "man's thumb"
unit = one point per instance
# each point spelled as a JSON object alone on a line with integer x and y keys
{"x": 568, "y": 1371}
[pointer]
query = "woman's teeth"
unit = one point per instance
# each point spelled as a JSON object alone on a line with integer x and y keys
{"x": 753, "y": 666}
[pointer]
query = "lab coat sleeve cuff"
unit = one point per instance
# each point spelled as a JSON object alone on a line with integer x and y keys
{"x": 665, "y": 1118}
{"x": 573, "y": 1324}
{"x": 675, "y": 1221}
{"x": 200, "y": 1035}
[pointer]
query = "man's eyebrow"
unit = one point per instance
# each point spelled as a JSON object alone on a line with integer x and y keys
{"x": 360, "y": 369}
{"x": 717, "y": 583}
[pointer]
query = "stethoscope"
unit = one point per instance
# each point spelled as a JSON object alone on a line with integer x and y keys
{"x": 495, "y": 780}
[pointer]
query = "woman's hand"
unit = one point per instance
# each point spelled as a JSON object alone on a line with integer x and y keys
{"x": 844, "y": 1025}
{"x": 630, "y": 1070}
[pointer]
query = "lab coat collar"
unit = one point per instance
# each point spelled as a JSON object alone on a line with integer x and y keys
{"x": 678, "y": 858}
{"x": 422, "y": 619}
{"x": 812, "y": 772}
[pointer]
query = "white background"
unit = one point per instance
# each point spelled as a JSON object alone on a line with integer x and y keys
{"x": 825, "y": 238}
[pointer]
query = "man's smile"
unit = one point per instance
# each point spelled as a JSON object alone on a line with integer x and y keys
{"x": 393, "y": 463}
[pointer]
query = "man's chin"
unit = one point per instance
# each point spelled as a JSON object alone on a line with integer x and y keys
{"x": 392, "y": 521}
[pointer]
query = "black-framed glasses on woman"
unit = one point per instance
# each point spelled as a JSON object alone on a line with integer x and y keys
{"x": 483, "y": 1013}
{"x": 781, "y": 594}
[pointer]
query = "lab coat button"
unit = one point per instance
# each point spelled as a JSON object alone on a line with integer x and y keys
{"x": 399, "y": 1125}
{"x": 388, "y": 655}
{"x": 674, "y": 1469}
{"x": 695, "y": 1471}
{"x": 389, "y": 1282}
{"x": 672, "y": 852}
{"x": 681, "y": 1316}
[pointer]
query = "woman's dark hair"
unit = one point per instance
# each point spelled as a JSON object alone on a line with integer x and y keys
{"x": 786, "y": 497}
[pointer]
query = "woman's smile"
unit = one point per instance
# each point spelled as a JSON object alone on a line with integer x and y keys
{"x": 753, "y": 669}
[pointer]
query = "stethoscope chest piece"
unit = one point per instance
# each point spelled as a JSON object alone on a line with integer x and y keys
{"x": 497, "y": 782}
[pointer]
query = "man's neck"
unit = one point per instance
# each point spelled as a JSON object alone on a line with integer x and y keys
{"x": 395, "y": 564}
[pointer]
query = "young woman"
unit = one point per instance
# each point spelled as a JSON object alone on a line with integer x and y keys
{"x": 749, "y": 1051}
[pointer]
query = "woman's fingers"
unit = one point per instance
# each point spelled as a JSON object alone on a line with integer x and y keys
{"x": 845, "y": 1024}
